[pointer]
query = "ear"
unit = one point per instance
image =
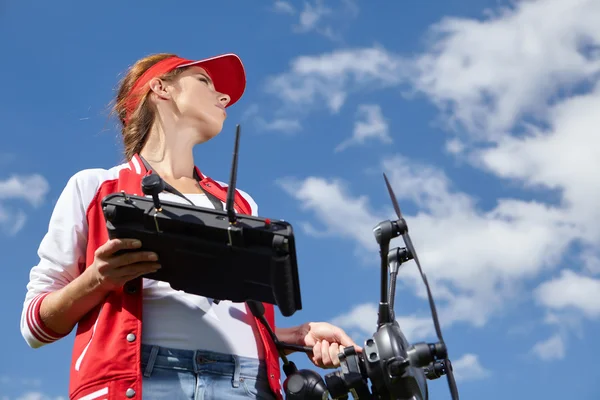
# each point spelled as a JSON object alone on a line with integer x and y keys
{"x": 159, "y": 88}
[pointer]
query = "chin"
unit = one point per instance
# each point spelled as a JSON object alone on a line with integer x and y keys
{"x": 209, "y": 131}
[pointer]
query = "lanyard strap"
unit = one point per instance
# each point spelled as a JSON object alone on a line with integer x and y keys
{"x": 168, "y": 188}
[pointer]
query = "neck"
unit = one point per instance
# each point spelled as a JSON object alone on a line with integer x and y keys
{"x": 170, "y": 154}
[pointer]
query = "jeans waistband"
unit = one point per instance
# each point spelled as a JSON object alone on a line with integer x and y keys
{"x": 199, "y": 361}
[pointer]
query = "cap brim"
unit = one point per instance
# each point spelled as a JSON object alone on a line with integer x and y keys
{"x": 227, "y": 73}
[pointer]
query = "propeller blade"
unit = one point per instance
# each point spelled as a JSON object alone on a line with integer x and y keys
{"x": 393, "y": 196}
{"x": 451, "y": 380}
{"x": 411, "y": 248}
{"x": 434, "y": 315}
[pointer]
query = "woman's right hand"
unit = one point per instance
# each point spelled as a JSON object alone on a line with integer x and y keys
{"x": 110, "y": 271}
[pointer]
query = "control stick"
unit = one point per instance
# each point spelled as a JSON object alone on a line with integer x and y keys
{"x": 153, "y": 185}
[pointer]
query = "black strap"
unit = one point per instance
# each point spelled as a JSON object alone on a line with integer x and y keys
{"x": 213, "y": 199}
{"x": 168, "y": 188}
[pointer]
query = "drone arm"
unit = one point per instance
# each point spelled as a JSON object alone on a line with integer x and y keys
{"x": 384, "y": 232}
{"x": 393, "y": 276}
{"x": 396, "y": 257}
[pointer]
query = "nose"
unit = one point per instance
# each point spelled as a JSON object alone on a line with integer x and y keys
{"x": 224, "y": 99}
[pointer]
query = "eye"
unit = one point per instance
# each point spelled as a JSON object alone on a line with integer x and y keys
{"x": 203, "y": 79}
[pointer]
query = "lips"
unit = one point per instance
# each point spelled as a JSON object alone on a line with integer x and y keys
{"x": 220, "y": 106}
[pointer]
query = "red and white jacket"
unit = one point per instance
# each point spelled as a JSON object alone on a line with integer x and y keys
{"x": 106, "y": 352}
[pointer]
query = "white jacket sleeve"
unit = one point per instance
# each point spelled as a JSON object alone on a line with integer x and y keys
{"x": 61, "y": 253}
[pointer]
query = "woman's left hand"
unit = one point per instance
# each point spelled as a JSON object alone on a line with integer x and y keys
{"x": 327, "y": 342}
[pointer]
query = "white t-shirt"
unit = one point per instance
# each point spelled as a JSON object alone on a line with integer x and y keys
{"x": 176, "y": 319}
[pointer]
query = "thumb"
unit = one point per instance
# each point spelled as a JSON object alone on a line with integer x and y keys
{"x": 346, "y": 341}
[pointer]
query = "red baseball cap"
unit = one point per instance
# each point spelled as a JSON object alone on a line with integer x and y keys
{"x": 226, "y": 71}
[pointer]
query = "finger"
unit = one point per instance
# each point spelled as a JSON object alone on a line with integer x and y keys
{"x": 114, "y": 245}
{"x": 130, "y": 272}
{"x": 132, "y": 258}
{"x": 325, "y": 355}
{"x": 343, "y": 339}
{"x": 317, "y": 357}
{"x": 334, "y": 351}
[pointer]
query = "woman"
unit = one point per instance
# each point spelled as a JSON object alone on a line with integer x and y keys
{"x": 188, "y": 347}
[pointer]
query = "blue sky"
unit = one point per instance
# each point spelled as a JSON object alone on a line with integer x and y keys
{"x": 484, "y": 114}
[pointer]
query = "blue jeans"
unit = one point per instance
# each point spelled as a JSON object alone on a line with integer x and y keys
{"x": 173, "y": 374}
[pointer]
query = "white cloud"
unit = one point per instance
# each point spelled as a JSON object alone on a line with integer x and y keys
{"x": 279, "y": 125}
{"x": 533, "y": 110}
{"x": 371, "y": 125}
{"x": 455, "y": 146}
{"x": 284, "y": 7}
{"x": 484, "y": 74}
{"x": 550, "y": 349}
{"x": 571, "y": 291}
{"x": 12, "y": 221}
{"x": 590, "y": 258}
{"x": 489, "y": 73}
{"x": 532, "y": 106}
{"x": 469, "y": 368}
{"x": 312, "y": 14}
{"x": 489, "y": 76}
{"x": 333, "y": 205}
{"x": 39, "y": 396}
{"x": 327, "y": 79}
{"x": 29, "y": 384}
{"x": 565, "y": 320}
{"x": 564, "y": 157}
{"x": 450, "y": 221}
{"x": 476, "y": 260}
{"x": 327, "y": 20}
{"x": 31, "y": 189}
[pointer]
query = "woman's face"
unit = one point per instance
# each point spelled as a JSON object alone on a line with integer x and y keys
{"x": 196, "y": 103}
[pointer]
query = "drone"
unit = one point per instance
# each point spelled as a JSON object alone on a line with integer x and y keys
{"x": 395, "y": 368}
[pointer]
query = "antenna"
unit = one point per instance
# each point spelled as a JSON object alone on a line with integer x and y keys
{"x": 229, "y": 204}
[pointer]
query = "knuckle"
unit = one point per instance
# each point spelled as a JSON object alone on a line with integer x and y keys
{"x": 102, "y": 265}
{"x": 149, "y": 256}
{"x": 130, "y": 258}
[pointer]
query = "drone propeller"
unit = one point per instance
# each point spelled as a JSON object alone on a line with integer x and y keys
{"x": 405, "y": 236}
